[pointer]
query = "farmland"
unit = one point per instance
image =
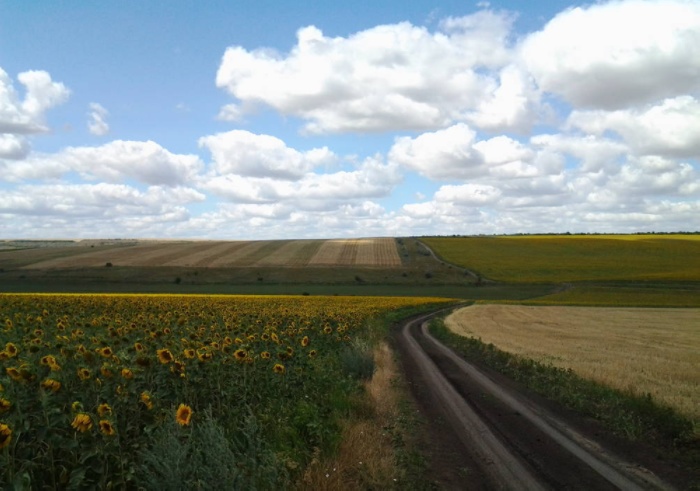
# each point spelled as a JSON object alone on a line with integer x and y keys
{"x": 166, "y": 391}
{"x": 557, "y": 258}
{"x": 654, "y": 351}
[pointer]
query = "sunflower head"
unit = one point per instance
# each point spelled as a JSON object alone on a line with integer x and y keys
{"x": 5, "y": 435}
{"x": 305, "y": 341}
{"x": 147, "y": 400}
{"x": 164, "y": 356}
{"x": 127, "y": 373}
{"x": 104, "y": 409}
{"x": 5, "y": 405}
{"x": 82, "y": 422}
{"x": 51, "y": 385}
{"x": 183, "y": 416}
{"x": 11, "y": 349}
{"x": 106, "y": 428}
{"x": 278, "y": 368}
{"x": 240, "y": 354}
{"x": 106, "y": 352}
{"x": 84, "y": 373}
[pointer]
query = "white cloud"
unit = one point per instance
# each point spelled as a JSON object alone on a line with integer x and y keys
{"x": 13, "y": 147}
{"x": 372, "y": 179}
{"x": 26, "y": 116}
{"x": 593, "y": 153}
{"x": 117, "y": 161}
{"x": 670, "y": 128}
{"x": 617, "y": 54}
{"x": 442, "y": 154}
{"x": 247, "y": 154}
{"x": 97, "y": 122}
{"x": 468, "y": 194}
{"x": 388, "y": 77}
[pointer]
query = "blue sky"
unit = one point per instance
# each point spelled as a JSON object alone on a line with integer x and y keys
{"x": 272, "y": 119}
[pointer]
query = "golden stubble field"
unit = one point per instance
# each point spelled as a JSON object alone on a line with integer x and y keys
{"x": 369, "y": 252}
{"x": 649, "y": 350}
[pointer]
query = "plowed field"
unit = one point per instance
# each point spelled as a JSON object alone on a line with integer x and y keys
{"x": 380, "y": 252}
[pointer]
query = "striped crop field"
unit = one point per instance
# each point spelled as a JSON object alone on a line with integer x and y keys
{"x": 371, "y": 252}
{"x": 558, "y": 258}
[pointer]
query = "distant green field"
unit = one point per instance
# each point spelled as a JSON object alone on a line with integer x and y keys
{"x": 568, "y": 258}
{"x": 620, "y": 296}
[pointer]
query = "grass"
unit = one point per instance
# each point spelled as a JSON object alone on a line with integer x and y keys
{"x": 560, "y": 258}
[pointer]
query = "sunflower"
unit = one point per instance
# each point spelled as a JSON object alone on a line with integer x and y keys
{"x": 106, "y": 352}
{"x": 147, "y": 400}
{"x": 127, "y": 373}
{"x": 327, "y": 330}
{"x": 106, "y": 428}
{"x": 47, "y": 360}
{"x": 104, "y": 409}
{"x": 82, "y": 422}
{"x": 5, "y": 435}
{"x": 240, "y": 354}
{"x": 5, "y": 405}
{"x": 164, "y": 356}
{"x": 275, "y": 337}
{"x": 278, "y": 368}
{"x": 14, "y": 374}
{"x": 106, "y": 371}
{"x": 76, "y": 406}
{"x": 265, "y": 355}
{"x": 11, "y": 349}
{"x": 138, "y": 347}
{"x": 312, "y": 353}
{"x": 84, "y": 373}
{"x": 183, "y": 415}
{"x": 51, "y": 384}
{"x": 189, "y": 353}
{"x": 305, "y": 341}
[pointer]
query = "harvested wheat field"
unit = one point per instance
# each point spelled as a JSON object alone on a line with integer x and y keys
{"x": 380, "y": 252}
{"x": 646, "y": 350}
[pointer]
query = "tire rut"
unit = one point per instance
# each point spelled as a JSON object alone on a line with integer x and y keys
{"x": 507, "y": 440}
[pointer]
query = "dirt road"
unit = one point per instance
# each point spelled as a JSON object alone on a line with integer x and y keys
{"x": 487, "y": 434}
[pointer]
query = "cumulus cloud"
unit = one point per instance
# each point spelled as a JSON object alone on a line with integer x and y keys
{"x": 13, "y": 147}
{"x": 389, "y": 77}
{"x": 117, "y": 161}
{"x": 670, "y": 128}
{"x": 246, "y": 154}
{"x": 617, "y": 54}
{"x": 372, "y": 179}
{"x": 26, "y": 116}
{"x": 97, "y": 120}
{"x": 454, "y": 153}
{"x": 468, "y": 194}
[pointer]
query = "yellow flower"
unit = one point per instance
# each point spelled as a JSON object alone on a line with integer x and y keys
{"x": 278, "y": 368}
{"x": 147, "y": 400}
{"x": 305, "y": 341}
{"x": 106, "y": 352}
{"x": 82, "y": 422}
{"x": 48, "y": 360}
{"x": 265, "y": 355}
{"x": 106, "y": 428}
{"x": 138, "y": 347}
{"x": 189, "y": 353}
{"x": 127, "y": 373}
{"x": 14, "y": 374}
{"x": 164, "y": 356}
{"x": 51, "y": 384}
{"x": 76, "y": 406}
{"x": 5, "y": 405}
{"x": 5, "y": 435}
{"x": 11, "y": 349}
{"x": 240, "y": 355}
{"x": 104, "y": 409}
{"x": 84, "y": 373}
{"x": 312, "y": 353}
{"x": 183, "y": 415}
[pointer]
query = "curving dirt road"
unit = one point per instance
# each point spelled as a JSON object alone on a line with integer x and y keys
{"x": 486, "y": 434}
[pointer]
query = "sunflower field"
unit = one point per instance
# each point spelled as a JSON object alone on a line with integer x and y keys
{"x": 176, "y": 392}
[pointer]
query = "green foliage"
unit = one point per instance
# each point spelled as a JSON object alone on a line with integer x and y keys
{"x": 357, "y": 360}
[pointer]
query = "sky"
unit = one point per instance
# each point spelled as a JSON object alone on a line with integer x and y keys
{"x": 272, "y": 119}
